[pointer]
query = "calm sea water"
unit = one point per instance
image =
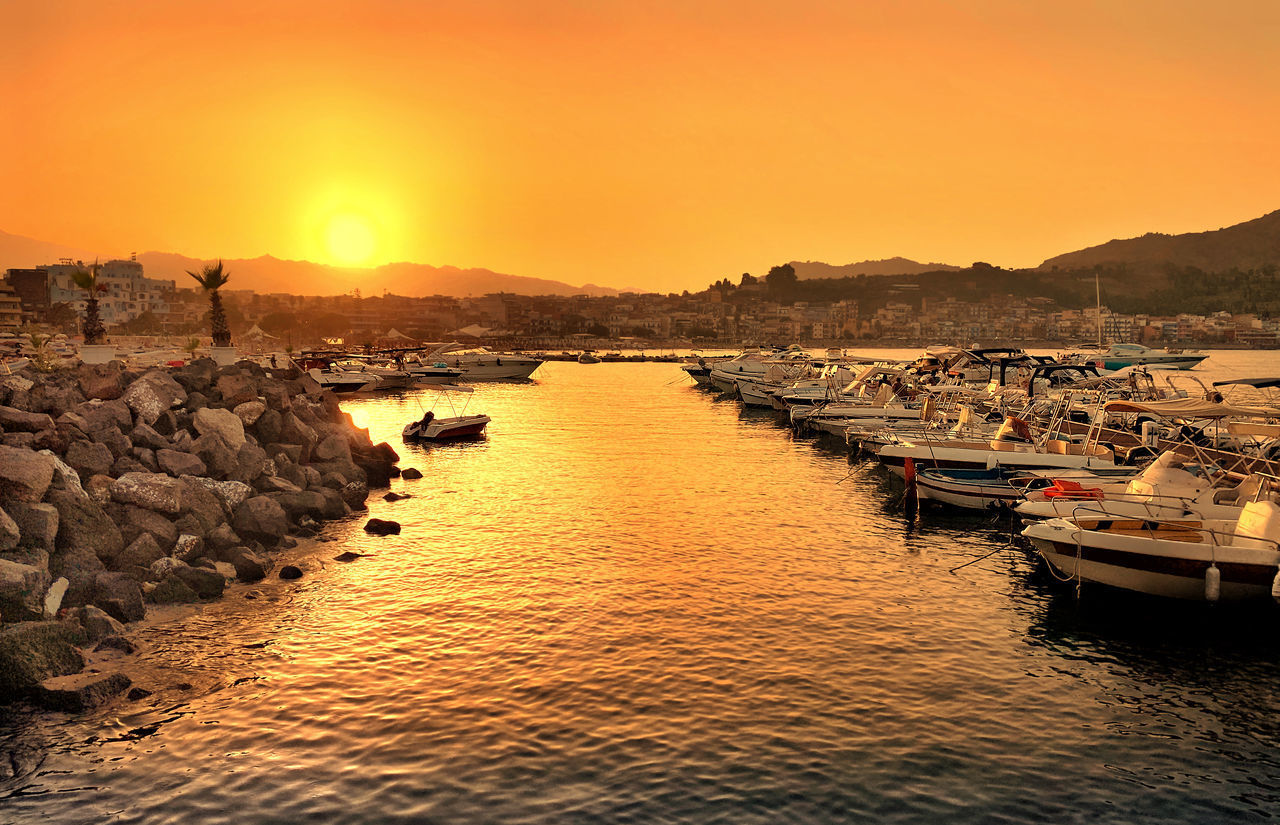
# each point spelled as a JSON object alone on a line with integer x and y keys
{"x": 635, "y": 603}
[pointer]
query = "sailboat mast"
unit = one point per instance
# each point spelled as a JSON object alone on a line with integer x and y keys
{"x": 1097, "y": 288}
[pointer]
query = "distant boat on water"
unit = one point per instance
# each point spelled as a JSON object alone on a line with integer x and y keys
{"x": 1119, "y": 356}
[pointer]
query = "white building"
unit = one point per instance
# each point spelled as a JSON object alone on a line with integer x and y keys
{"x": 125, "y": 293}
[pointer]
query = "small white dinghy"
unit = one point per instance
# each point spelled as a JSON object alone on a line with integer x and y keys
{"x": 443, "y": 428}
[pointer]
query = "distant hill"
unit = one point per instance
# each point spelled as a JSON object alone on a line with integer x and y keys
{"x": 889, "y": 266}
{"x": 1249, "y": 245}
{"x": 267, "y": 274}
{"x": 17, "y": 252}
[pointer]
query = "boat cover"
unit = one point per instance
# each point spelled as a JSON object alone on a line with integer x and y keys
{"x": 1184, "y": 408}
{"x": 1259, "y": 383}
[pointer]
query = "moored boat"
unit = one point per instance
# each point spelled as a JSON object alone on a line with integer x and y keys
{"x": 1200, "y": 559}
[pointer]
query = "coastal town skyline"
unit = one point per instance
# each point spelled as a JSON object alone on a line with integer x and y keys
{"x": 656, "y": 149}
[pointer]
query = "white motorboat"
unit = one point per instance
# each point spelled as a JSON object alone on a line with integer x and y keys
{"x": 1119, "y": 356}
{"x": 482, "y": 364}
{"x": 458, "y": 424}
{"x": 1191, "y": 558}
{"x": 1001, "y": 451}
{"x": 345, "y": 383}
{"x": 430, "y": 428}
{"x": 433, "y": 373}
{"x": 1165, "y": 489}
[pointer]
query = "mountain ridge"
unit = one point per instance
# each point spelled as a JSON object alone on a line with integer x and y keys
{"x": 268, "y": 274}
{"x": 806, "y": 270}
{"x": 1247, "y": 245}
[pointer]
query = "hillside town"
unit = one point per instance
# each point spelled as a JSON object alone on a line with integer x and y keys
{"x": 132, "y": 303}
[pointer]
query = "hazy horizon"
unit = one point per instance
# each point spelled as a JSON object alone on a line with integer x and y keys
{"x": 659, "y": 148}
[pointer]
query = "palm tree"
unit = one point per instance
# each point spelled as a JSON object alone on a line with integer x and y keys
{"x": 87, "y": 279}
{"x": 210, "y": 279}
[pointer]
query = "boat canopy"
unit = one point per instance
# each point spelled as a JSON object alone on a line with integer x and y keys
{"x": 1183, "y": 408}
{"x": 1257, "y": 383}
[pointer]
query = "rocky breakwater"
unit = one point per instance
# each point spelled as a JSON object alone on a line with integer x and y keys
{"x": 120, "y": 489}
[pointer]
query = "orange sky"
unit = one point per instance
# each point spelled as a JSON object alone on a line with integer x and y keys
{"x": 653, "y": 144}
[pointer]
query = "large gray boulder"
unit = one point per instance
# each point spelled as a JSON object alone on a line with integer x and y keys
{"x": 80, "y": 567}
{"x": 135, "y": 521}
{"x": 250, "y": 566}
{"x": 20, "y": 421}
{"x": 114, "y": 439}
{"x": 137, "y": 558}
{"x": 333, "y": 447}
{"x": 236, "y": 389}
{"x": 268, "y": 426}
{"x": 231, "y": 493}
{"x": 294, "y": 431}
{"x": 22, "y": 591}
{"x": 65, "y": 477}
{"x": 119, "y": 595}
{"x": 89, "y": 458}
{"x": 152, "y": 394}
{"x": 206, "y": 583}
{"x": 24, "y": 475}
{"x": 53, "y": 398}
{"x": 249, "y": 412}
{"x": 101, "y": 381}
{"x": 251, "y": 463}
{"x": 302, "y": 503}
{"x": 262, "y": 519}
{"x": 31, "y": 652}
{"x": 204, "y": 509}
{"x": 224, "y": 424}
{"x": 84, "y": 525}
{"x": 37, "y": 523}
{"x": 10, "y": 534}
{"x": 151, "y": 491}
{"x": 219, "y": 458}
{"x": 177, "y": 463}
{"x": 96, "y": 622}
{"x": 144, "y": 435}
{"x": 99, "y": 415}
{"x": 222, "y": 537}
{"x": 173, "y": 590}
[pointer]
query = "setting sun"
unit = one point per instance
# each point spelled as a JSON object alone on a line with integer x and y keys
{"x": 350, "y": 239}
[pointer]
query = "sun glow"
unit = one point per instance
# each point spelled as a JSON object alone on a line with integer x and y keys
{"x": 350, "y": 239}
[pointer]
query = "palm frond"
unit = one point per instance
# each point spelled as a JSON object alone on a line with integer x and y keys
{"x": 212, "y": 277}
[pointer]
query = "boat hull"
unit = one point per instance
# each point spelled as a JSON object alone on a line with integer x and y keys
{"x": 447, "y": 429}
{"x": 1171, "y": 569}
{"x": 972, "y": 490}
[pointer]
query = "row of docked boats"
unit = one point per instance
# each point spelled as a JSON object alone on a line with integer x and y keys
{"x": 1129, "y": 479}
{"x": 347, "y": 373}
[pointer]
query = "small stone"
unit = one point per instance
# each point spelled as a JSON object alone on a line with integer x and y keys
{"x": 137, "y": 693}
{"x": 289, "y": 571}
{"x": 396, "y": 496}
{"x": 382, "y": 527}
{"x": 53, "y": 597}
{"x": 117, "y": 643}
{"x": 81, "y": 691}
{"x": 410, "y": 473}
{"x": 348, "y": 556}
